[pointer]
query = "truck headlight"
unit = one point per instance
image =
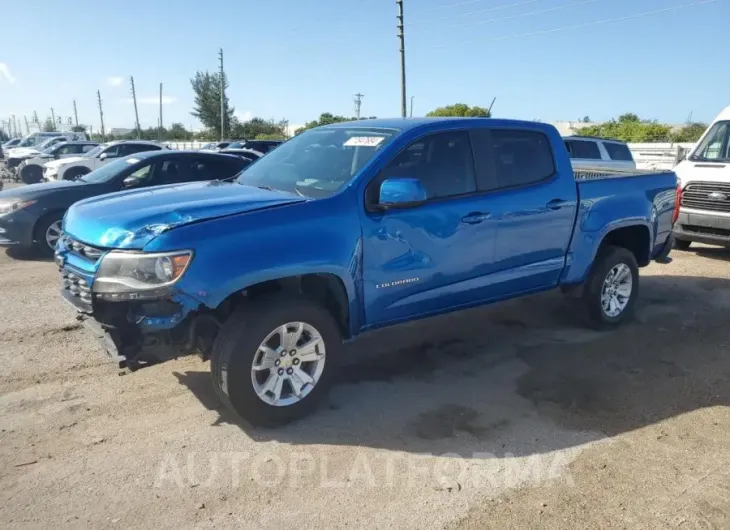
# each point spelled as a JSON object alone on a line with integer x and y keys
{"x": 136, "y": 275}
{"x": 8, "y": 206}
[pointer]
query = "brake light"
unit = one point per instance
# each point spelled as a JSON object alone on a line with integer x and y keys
{"x": 677, "y": 202}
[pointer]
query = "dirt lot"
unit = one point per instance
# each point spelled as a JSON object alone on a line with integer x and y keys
{"x": 512, "y": 416}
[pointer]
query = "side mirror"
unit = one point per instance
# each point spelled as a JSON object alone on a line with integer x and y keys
{"x": 401, "y": 193}
{"x": 130, "y": 182}
{"x": 103, "y": 156}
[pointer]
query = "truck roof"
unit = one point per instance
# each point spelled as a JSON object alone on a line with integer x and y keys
{"x": 405, "y": 124}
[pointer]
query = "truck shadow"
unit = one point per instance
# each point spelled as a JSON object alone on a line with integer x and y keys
{"x": 717, "y": 253}
{"x": 523, "y": 377}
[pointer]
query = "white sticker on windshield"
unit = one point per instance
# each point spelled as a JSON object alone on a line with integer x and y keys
{"x": 364, "y": 141}
{"x": 132, "y": 160}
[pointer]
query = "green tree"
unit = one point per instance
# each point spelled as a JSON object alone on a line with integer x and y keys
{"x": 178, "y": 132}
{"x": 78, "y": 128}
{"x": 259, "y": 128}
{"x": 207, "y": 108}
{"x": 629, "y": 128}
{"x": 49, "y": 126}
{"x": 327, "y": 118}
{"x": 460, "y": 110}
{"x": 689, "y": 133}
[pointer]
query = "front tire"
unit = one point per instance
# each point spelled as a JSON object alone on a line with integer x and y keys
{"x": 47, "y": 233}
{"x": 612, "y": 287}
{"x": 75, "y": 172}
{"x": 31, "y": 174}
{"x": 682, "y": 244}
{"x": 274, "y": 360}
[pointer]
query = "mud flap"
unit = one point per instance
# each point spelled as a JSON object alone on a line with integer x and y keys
{"x": 663, "y": 256}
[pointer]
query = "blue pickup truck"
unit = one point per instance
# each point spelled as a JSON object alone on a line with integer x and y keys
{"x": 350, "y": 227}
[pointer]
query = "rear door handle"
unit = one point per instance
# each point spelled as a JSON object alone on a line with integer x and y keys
{"x": 556, "y": 204}
{"x": 474, "y": 218}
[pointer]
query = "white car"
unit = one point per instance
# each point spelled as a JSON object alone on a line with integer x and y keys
{"x": 75, "y": 167}
{"x": 30, "y": 169}
{"x": 35, "y": 141}
{"x": 588, "y": 153}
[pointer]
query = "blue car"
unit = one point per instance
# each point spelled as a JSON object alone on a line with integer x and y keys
{"x": 350, "y": 227}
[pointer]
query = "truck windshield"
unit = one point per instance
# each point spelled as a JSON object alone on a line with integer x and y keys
{"x": 319, "y": 162}
{"x": 715, "y": 147}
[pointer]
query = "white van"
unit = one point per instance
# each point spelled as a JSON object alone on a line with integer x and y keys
{"x": 38, "y": 138}
{"x": 704, "y": 175}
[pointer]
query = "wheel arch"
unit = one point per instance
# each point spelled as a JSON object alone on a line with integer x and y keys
{"x": 334, "y": 291}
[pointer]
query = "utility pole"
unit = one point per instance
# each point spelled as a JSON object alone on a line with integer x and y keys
{"x": 412, "y": 105}
{"x": 53, "y": 118}
{"x": 401, "y": 38}
{"x": 36, "y": 120}
{"x": 13, "y": 128}
{"x": 358, "y": 104}
{"x": 27, "y": 127}
{"x": 160, "y": 138}
{"x": 101, "y": 114}
{"x": 134, "y": 100}
{"x": 76, "y": 114}
{"x": 223, "y": 96}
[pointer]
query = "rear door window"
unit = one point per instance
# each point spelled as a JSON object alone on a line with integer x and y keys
{"x": 583, "y": 149}
{"x": 521, "y": 158}
{"x": 618, "y": 151}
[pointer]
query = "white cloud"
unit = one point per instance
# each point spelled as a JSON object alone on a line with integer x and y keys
{"x": 152, "y": 100}
{"x": 243, "y": 116}
{"x": 114, "y": 80}
{"x": 5, "y": 73}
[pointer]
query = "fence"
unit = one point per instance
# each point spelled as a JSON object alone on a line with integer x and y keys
{"x": 658, "y": 155}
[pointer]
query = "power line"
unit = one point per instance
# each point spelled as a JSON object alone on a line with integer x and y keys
{"x": 437, "y": 8}
{"x": 495, "y": 8}
{"x": 578, "y": 26}
{"x": 521, "y": 15}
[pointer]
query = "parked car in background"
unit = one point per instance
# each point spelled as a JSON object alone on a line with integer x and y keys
{"x": 31, "y": 215}
{"x": 75, "y": 167}
{"x": 351, "y": 227}
{"x": 17, "y": 156}
{"x": 248, "y": 154}
{"x": 11, "y": 143}
{"x": 30, "y": 169}
{"x": 587, "y": 153}
{"x": 704, "y": 213}
{"x": 37, "y": 138}
{"x": 216, "y": 146}
{"x": 262, "y": 146}
{"x": 8, "y": 145}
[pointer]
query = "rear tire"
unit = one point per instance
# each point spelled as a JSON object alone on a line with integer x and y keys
{"x": 47, "y": 233}
{"x": 31, "y": 174}
{"x": 612, "y": 287}
{"x": 682, "y": 244}
{"x": 75, "y": 172}
{"x": 238, "y": 351}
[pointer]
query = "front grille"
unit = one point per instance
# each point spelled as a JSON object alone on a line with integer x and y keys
{"x": 81, "y": 249}
{"x": 76, "y": 289}
{"x": 714, "y": 196}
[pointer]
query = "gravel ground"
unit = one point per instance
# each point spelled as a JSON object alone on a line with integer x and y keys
{"x": 514, "y": 416}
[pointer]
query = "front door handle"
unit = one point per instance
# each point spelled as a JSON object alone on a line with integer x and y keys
{"x": 556, "y": 204}
{"x": 474, "y": 218}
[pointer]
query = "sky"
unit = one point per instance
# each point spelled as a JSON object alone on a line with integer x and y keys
{"x": 552, "y": 60}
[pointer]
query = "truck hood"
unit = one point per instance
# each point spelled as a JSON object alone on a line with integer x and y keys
{"x": 55, "y": 164}
{"x": 131, "y": 219}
